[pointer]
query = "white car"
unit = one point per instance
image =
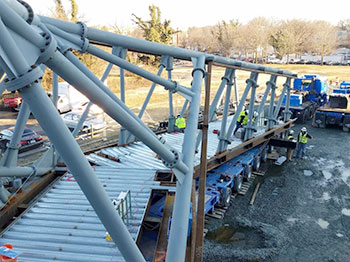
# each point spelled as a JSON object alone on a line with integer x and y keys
{"x": 71, "y": 119}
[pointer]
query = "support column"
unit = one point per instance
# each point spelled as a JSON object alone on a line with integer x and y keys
{"x": 54, "y": 88}
{"x": 249, "y": 129}
{"x": 222, "y": 134}
{"x": 271, "y": 120}
{"x": 279, "y": 103}
{"x": 179, "y": 225}
{"x": 287, "y": 113}
{"x": 171, "y": 119}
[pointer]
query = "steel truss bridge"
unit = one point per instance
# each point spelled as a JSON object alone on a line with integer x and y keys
{"x": 31, "y": 44}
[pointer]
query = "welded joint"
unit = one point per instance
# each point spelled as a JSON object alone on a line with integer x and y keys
{"x": 175, "y": 162}
{"x": 29, "y": 10}
{"x": 272, "y": 84}
{"x": 225, "y": 78}
{"x": 13, "y": 147}
{"x": 23, "y": 80}
{"x": 199, "y": 69}
{"x": 83, "y": 33}
{"x": 252, "y": 82}
{"x": 173, "y": 89}
{"x": 84, "y": 29}
{"x": 49, "y": 48}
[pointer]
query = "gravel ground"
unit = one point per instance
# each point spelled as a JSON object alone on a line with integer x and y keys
{"x": 302, "y": 209}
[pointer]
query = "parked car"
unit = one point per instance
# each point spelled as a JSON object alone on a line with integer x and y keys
{"x": 30, "y": 140}
{"x": 72, "y": 119}
{"x": 12, "y": 100}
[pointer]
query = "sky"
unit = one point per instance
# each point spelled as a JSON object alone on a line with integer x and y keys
{"x": 187, "y": 13}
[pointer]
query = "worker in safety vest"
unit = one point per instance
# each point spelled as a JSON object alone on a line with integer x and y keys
{"x": 242, "y": 120}
{"x": 302, "y": 141}
{"x": 180, "y": 123}
{"x": 290, "y": 151}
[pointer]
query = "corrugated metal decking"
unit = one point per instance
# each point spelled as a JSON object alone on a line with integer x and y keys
{"x": 62, "y": 226}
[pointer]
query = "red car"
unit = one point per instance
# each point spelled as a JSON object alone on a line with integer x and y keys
{"x": 12, "y": 100}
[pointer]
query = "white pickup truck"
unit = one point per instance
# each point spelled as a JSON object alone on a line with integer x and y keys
{"x": 69, "y": 98}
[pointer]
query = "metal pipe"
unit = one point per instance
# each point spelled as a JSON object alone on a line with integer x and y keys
{"x": 287, "y": 113}
{"x": 179, "y": 226}
{"x": 250, "y": 127}
{"x": 16, "y": 171}
{"x": 21, "y": 11}
{"x": 171, "y": 119}
{"x": 222, "y": 134}
{"x": 158, "y": 49}
{"x": 236, "y": 89}
{"x": 54, "y": 88}
{"x": 279, "y": 103}
{"x": 184, "y": 107}
{"x": 271, "y": 119}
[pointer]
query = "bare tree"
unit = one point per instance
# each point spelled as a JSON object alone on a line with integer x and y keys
{"x": 201, "y": 39}
{"x": 324, "y": 38}
{"x": 344, "y": 34}
{"x": 225, "y": 36}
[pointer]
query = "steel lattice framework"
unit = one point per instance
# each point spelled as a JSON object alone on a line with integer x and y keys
{"x": 29, "y": 44}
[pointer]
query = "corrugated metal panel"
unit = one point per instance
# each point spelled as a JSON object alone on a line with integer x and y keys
{"x": 62, "y": 226}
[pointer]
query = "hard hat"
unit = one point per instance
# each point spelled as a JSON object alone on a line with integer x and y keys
{"x": 291, "y": 132}
{"x": 303, "y": 129}
{"x": 247, "y": 111}
{"x": 178, "y": 115}
{"x": 256, "y": 114}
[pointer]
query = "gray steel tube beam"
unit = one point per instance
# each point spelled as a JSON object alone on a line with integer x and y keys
{"x": 58, "y": 133}
{"x": 178, "y": 232}
{"x": 184, "y": 107}
{"x": 54, "y": 88}
{"x": 157, "y": 49}
{"x": 72, "y": 75}
{"x": 216, "y": 99}
{"x": 271, "y": 119}
{"x": 16, "y": 171}
{"x": 279, "y": 103}
{"x": 262, "y": 104}
{"x": 287, "y": 113}
{"x": 250, "y": 126}
{"x": 222, "y": 135}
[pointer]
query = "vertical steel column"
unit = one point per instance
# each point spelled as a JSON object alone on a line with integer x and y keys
{"x": 262, "y": 104}
{"x": 287, "y": 113}
{"x": 279, "y": 103}
{"x": 42, "y": 107}
{"x": 203, "y": 171}
{"x": 236, "y": 89}
{"x": 179, "y": 225}
{"x": 222, "y": 134}
{"x": 271, "y": 120}
{"x": 54, "y": 88}
{"x": 249, "y": 129}
{"x": 250, "y": 81}
{"x": 171, "y": 119}
{"x": 11, "y": 155}
{"x": 121, "y": 52}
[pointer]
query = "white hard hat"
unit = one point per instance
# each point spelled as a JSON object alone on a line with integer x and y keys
{"x": 291, "y": 132}
{"x": 304, "y": 129}
{"x": 256, "y": 114}
{"x": 247, "y": 111}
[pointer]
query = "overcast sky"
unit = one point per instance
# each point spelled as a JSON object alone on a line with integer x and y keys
{"x": 186, "y": 13}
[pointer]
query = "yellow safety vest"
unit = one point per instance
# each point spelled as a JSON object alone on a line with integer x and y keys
{"x": 303, "y": 138}
{"x": 245, "y": 119}
{"x": 180, "y": 122}
{"x": 290, "y": 137}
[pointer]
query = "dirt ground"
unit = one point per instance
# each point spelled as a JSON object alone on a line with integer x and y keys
{"x": 301, "y": 213}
